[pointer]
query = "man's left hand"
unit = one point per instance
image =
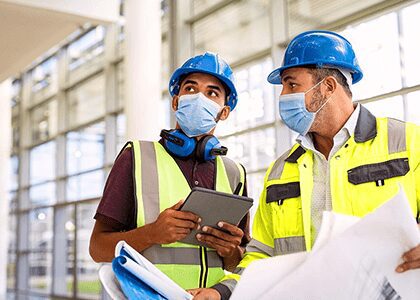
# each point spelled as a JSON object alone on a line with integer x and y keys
{"x": 226, "y": 244}
{"x": 205, "y": 294}
{"x": 411, "y": 259}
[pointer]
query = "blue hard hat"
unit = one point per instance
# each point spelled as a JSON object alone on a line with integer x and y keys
{"x": 324, "y": 49}
{"x": 208, "y": 63}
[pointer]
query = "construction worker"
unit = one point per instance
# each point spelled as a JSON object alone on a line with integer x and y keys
{"x": 143, "y": 191}
{"x": 345, "y": 159}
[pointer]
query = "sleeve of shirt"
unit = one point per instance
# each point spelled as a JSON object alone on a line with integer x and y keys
{"x": 116, "y": 207}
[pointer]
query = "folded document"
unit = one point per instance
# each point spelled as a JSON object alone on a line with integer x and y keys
{"x": 140, "y": 279}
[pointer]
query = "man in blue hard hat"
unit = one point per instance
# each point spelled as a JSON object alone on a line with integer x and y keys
{"x": 143, "y": 191}
{"x": 345, "y": 159}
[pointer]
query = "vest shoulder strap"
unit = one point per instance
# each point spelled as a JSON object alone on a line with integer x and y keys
{"x": 291, "y": 156}
{"x": 235, "y": 173}
{"x": 396, "y": 136}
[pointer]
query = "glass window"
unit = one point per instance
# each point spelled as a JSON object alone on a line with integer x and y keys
{"x": 86, "y": 102}
{"x": 44, "y": 75}
{"x": 256, "y": 104}
{"x": 391, "y": 107}
{"x": 255, "y": 186}
{"x": 121, "y": 127}
{"x": 200, "y": 6}
{"x": 64, "y": 272}
{"x": 14, "y": 175}
{"x": 11, "y": 270}
{"x": 86, "y": 48}
{"x": 164, "y": 108}
{"x": 40, "y": 240}
{"x": 309, "y": 14}
{"x": 40, "y": 229}
{"x": 13, "y": 201}
{"x": 120, "y": 85}
{"x": 44, "y": 121}
{"x": 15, "y": 134}
{"x": 376, "y": 42}
{"x": 255, "y": 150}
{"x": 42, "y": 194}
{"x": 235, "y": 32}
{"x": 12, "y": 228}
{"x": 165, "y": 64}
{"x": 40, "y": 271}
{"x": 413, "y": 107}
{"x": 411, "y": 43}
{"x": 88, "y": 285}
{"x": 16, "y": 91}
{"x": 85, "y": 186}
{"x": 85, "y": 148}
{"x": 42, "y": 163}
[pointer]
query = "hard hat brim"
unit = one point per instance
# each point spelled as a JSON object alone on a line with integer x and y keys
{"x": 275, "y": 76}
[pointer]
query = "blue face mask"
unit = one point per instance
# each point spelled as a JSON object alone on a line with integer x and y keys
{"x": 294, "y": 113}
{"x": 196, "y": 114}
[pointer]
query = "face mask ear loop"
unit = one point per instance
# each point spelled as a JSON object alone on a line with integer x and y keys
{"x": 323, "y": 105}
{"x": 314, "y": 86}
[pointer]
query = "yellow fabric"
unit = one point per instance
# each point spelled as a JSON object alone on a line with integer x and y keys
{"x": 293, "y": 217}
{"x": 173, "y": 187}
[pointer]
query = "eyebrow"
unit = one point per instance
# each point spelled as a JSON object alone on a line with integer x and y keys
{"x": 215, "y": 87}
{"x": 287, "y": 78}
{"x": 189, "y": 81}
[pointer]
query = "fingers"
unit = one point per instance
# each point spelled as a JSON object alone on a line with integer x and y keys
{"x": 413, "y": 254}
{"x": 194, "y": 291}
{"x": 213, "y": 241}
{"x": 236, "y": 239}
{"x": 185, "y": 215}
{"x": 415, "y": 264}
{"x": 411, "y": 260}
{"x": 233, "y": 230}
{"x": 183, "y": 224}
{"x": 177, "y": 205}
{"x": 223, "y": 248}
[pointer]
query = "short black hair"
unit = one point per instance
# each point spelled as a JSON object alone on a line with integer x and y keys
{"x": 320, "y": 73}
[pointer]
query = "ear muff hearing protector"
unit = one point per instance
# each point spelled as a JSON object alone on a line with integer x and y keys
{"x": 180, "y": 145}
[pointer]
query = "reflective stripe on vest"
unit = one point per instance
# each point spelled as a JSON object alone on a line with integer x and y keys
{"x": 159, "y": 184}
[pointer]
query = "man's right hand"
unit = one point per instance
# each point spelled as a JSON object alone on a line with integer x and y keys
{"x": 173, "y": 225}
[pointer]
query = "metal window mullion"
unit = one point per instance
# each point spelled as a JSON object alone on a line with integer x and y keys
{"x": 402, "y": 61}
{"x": 75, "y": 263}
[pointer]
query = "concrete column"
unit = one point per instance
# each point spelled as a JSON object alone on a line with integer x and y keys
{"x": 142, "y": 68}
{"x": 5, "y": 144}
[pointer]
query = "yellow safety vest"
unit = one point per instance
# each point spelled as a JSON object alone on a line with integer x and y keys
{"x": 159, "y": 184}
{"x": 364, "y": 173}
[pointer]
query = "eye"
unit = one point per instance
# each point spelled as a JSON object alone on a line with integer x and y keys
{"x": 292, "y": 85}
{"x": 189, "y": 89}
{"x": 213, "y": 94}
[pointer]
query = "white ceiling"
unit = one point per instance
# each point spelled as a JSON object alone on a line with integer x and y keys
{"x": 29, "y": 28}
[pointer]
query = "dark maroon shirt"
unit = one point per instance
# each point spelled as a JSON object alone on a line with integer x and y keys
{"x": 117, "y": 206}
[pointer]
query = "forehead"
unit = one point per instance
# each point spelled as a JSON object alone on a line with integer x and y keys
{"x": 203, "y": 78}
{"x": 295, "y": 74}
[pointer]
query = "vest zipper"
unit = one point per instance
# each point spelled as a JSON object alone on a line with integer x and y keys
{"x": 203, "y": 267}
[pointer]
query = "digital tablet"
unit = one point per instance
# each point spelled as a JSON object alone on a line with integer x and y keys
{"x": 213, "y": 207}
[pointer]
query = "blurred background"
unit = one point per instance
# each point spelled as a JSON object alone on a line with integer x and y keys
{"x": 68, "y": 109}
